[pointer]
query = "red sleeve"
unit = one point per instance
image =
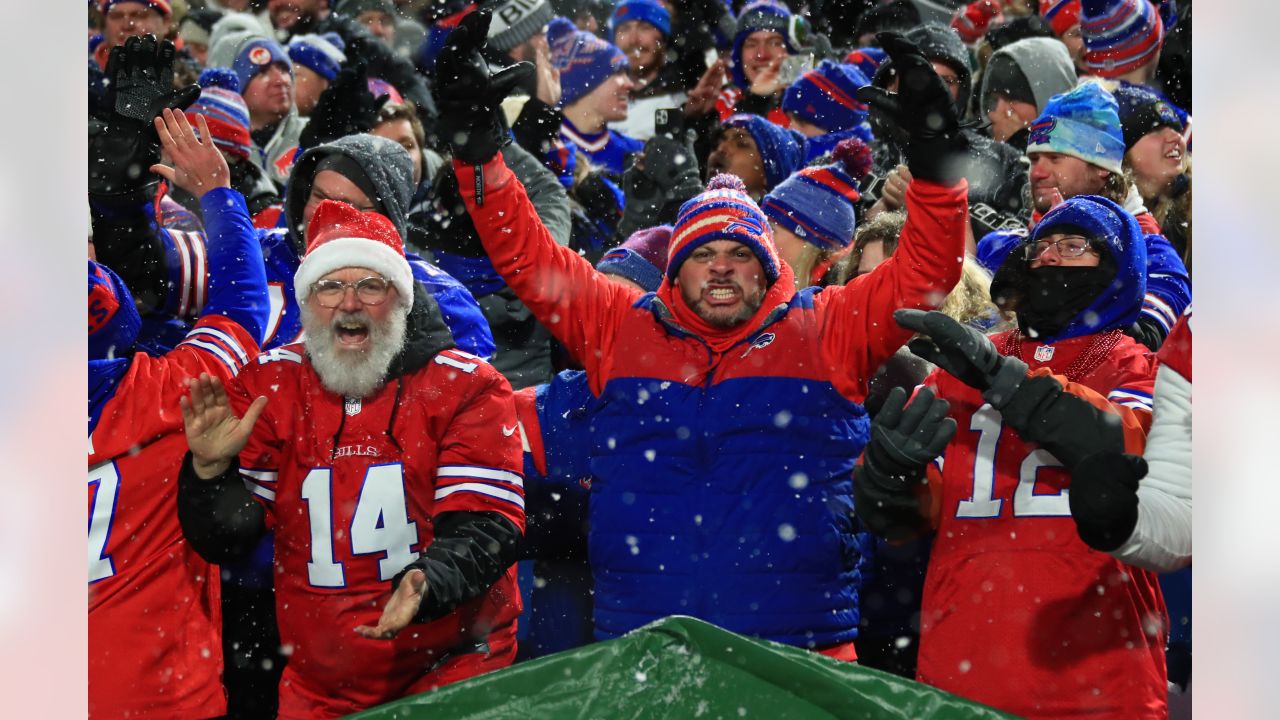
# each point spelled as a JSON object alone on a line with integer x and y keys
{"x": 260, "y": 459}
{"x": 1135, "y": 419}
{"x": 480, "y": 463}
{"x": 577, "y": 304}
{"x": 1176, "y": 350}
{"x": 531, "y": 428}
{"x": 859, "y": 333}
{"x": 145, "y": 405}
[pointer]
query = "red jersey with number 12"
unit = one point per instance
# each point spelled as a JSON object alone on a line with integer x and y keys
{"x": 1018, "y": 613}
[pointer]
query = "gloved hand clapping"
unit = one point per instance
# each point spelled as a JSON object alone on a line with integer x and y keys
{"x": 469, "y": 96}
{"x": 907, "y": 437}
{"x": 664, "y": 174}
{"x": 346, "y": 107}
{"x": 1104, "y": 498}
{"x": 965, "y": 353}
{"x": 923, "y": 109}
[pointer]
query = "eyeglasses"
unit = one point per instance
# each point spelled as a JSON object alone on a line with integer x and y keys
{"x": 1067, "y": 246}
{"x": 372, "y": 290}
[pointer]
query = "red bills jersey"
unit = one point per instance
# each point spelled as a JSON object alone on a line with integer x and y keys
{"x": 155, "y": 622}
{"x": 1176, "y": 350}
{"x": 1018, "y": 613}
{"x": 350, "y": 488}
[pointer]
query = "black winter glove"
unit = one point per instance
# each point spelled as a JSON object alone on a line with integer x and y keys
{"x": 1071, "y": 428}
{"x": 666, "y": 176}
{"x": 469, "y": 96}
{"x": 923, "y": 110}
{"x": 123, "y": 145}
{"x": 907, "y": 437}
{"x": 346, "y": 107}
{"x": 903, "y": 442}
{"x": 1104, "y": 498}
{"x": 965, "y": 353}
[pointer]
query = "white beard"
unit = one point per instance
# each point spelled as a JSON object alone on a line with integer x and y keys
{"x": 354, "y": 374}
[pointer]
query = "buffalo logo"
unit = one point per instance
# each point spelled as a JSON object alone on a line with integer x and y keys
{"x": 1040, "y": 132}
{"x": 260, "y": 55}
{"x": 1166, "y": 113}
{"x": 585, "y": 482}
{"x": 760, "y": 342}
{"x": 746, "y": 224}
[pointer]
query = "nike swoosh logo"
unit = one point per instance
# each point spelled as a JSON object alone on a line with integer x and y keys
{"x": 508, "y": 432}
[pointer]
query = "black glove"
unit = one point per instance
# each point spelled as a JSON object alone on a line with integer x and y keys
{"x": 965, "y": 353}
{"x": 905, "y": 438}
{"x": 1104, "y": 498}
{"x": 123, "y": 145}
{"x": 666, "y": 177}
{"x": 903, "y": 442}
{"x": 469, "y": 96}
{"x": 346, "y": 107}
{"x": 1071, "y": 428}
{"x": 923, "y": 110}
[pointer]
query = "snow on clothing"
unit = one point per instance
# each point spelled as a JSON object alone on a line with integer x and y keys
{"x": 420, "y": 473}
{"x": 677, "y": 457}
{"x": 1079, "y": 630}
{"x": 145, "y": 580}
{"x": 607, "y": 148}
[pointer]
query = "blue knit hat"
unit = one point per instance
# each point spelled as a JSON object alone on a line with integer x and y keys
{"x": 1107, "y": 224}
{"x": 584, "y": 60}
{"x": 643, "y": 10}
{"x": 826, "y": 96}
{"x": 765, "y": 15}
{"x": 781, "y": 149}
{"x": 256, "y": 55}
{"x": 723, "y": 212}
{"x": 323, "y": 54}
{"x": 995, "y": 246}
{"x": 866, "y": 59}
{"x": 1142, "y": 111}
{"x": 1119, "y": 35}
{"x": 641, "y": 258}
{"x": 1083, "y": 123}
{"x": 113, "y": 318}
{"x": 818, "y": 204}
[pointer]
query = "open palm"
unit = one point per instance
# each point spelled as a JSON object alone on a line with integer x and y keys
{"x": 214, "y": 434}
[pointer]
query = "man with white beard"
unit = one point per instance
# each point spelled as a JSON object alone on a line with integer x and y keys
{"x": 387, "y": 463}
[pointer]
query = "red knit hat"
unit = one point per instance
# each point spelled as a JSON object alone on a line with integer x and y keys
{"x": 340, "y": 236}
{"x": 1062, "y": 15}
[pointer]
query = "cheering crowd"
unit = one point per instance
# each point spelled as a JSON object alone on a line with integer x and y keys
{"x": 427, "y": 337}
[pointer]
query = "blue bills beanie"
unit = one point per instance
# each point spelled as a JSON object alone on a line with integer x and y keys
{"x": 765, "y": 15}
{"x": 113, "y": 318}
{"x": 781, "y": 149}
{"x": 641, "y": 259}
{"x": 1082, "y": 123}
{"x": 257, "y": 55}
{"x": 819, "y": 203}
{"x": 584, "y": 60}
{"x": 826, "y": 96}
{"x": 643, "y": 10}
{"x": 324, "y": 54}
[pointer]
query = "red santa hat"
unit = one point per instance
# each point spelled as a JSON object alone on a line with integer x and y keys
{"x": 340, "y": 236}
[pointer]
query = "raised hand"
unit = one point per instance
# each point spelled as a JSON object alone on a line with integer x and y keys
{"x": 215, "y": 435}
{"x": 346, "y": 107}
{"x": 923, "y": 110}
{"x": 198, "y": 165}
{"x": 906, "y": 437}
{"x": 469, "y": 96}
{"x": 965, "y": 353}
{"x": 141, "y": 75}
{"x": 400, "y": 609}
{"x": 702, "y": 98}
{"x": 549, "y": 89}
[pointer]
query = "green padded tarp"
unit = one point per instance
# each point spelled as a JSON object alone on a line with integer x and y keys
{"x": 680, "y": 667}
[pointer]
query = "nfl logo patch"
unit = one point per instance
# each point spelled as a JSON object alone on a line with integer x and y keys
{"x": 1044, "y": 353}
{"x": 259, "y": 56}
{"x": 352, "y": 406}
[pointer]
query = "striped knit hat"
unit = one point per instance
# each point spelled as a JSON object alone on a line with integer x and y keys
{"x": 1062, "y": 15}
{"x": 827, "y": 96}
{"x": 1119, "y": 35}
{"x": 224, "y": 110}
{"x": 818, "y": 204}
{"x": 723, "y": 212}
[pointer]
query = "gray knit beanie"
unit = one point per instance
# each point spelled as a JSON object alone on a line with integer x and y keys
{"x": 515, "y": 21}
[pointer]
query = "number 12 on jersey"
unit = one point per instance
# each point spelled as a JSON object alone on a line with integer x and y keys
{"x": 104, "y": 487}
{"x": 988, "y": 423}
{"x": 380, "y": 524}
